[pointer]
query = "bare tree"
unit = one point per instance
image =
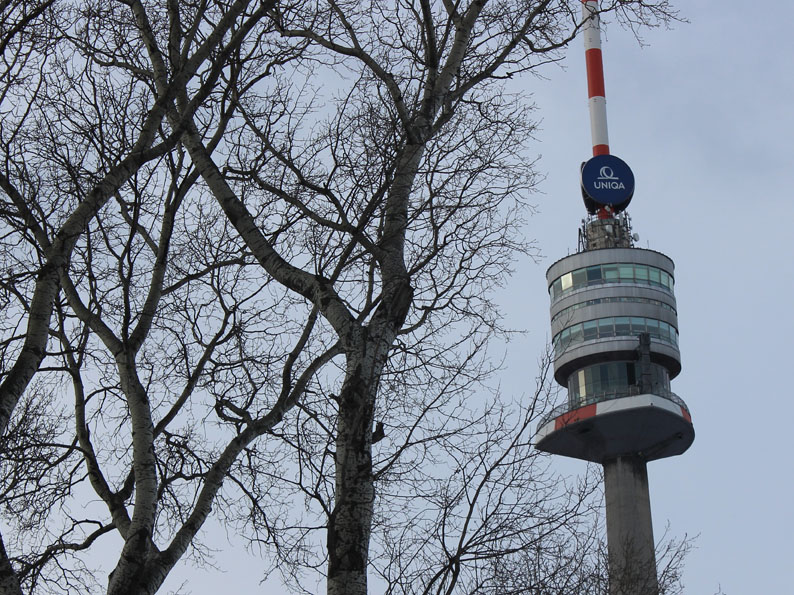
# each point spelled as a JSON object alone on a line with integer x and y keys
{"x": 94, "y": 184}
{"x": 400, "y": 201}
{"x": 257, "y": 242}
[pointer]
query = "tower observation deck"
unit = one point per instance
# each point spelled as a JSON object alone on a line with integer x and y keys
{"x": 615, "y": 336}
{"x": 614, "y": 326}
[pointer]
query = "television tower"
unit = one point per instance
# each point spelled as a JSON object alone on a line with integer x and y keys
{"x": 615, "y": 338}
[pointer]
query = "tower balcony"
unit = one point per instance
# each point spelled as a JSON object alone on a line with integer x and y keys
{"x": 652, "y": 425}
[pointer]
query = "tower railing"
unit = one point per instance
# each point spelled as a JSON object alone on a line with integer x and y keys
{"x": 633, "y": 390}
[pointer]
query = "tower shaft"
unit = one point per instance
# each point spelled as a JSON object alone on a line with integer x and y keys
{"x": 632, "y": 560}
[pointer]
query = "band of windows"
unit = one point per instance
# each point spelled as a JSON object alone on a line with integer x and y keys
{"x": 608, "y": 300}
{"x": 615, "y": 379}
{"x": 611, "y": 273}
{"x": 614, "y": 326}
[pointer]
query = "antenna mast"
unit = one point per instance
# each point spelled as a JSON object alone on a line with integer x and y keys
{"x": 595, "y": 77}
{"x": 607, "y": 181}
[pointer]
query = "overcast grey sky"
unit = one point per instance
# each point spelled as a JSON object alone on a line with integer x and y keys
{"x": 703, "y": 114}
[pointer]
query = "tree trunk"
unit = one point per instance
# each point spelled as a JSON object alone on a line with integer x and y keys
{"x": 129, "y": 576}
{"x": 349, "y": 524}
{"x": 9, "y": 583}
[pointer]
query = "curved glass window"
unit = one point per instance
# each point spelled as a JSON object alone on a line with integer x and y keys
{"x": 611, "y": 273}
{"x": 615, "y": 379}
{"x": 614, "y": 326}
{"x": 608, "y": 300}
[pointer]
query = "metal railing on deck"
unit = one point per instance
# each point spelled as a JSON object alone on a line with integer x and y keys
{"x": 633, "y": 391}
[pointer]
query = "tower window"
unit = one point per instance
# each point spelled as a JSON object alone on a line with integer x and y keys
{"x": 614, "y": 326}
{"x": 614, "y": 380}
{"x": 610, "y": 273}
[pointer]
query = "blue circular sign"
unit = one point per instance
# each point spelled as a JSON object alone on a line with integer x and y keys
{"x": 608, "y": 180}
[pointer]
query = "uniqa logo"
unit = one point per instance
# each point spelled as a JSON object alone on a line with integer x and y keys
{"x": 607, "y": 180}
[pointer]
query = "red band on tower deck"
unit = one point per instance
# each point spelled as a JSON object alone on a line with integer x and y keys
{"x": 600, "y": 150}
{"x": 576, "y": 415}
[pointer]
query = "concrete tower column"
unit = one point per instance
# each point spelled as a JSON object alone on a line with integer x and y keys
{"x": 632, "y": 561}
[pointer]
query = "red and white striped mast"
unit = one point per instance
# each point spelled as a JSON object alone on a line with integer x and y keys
{"x": 595, "y": 77}
{"x": 607, "y": 181}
